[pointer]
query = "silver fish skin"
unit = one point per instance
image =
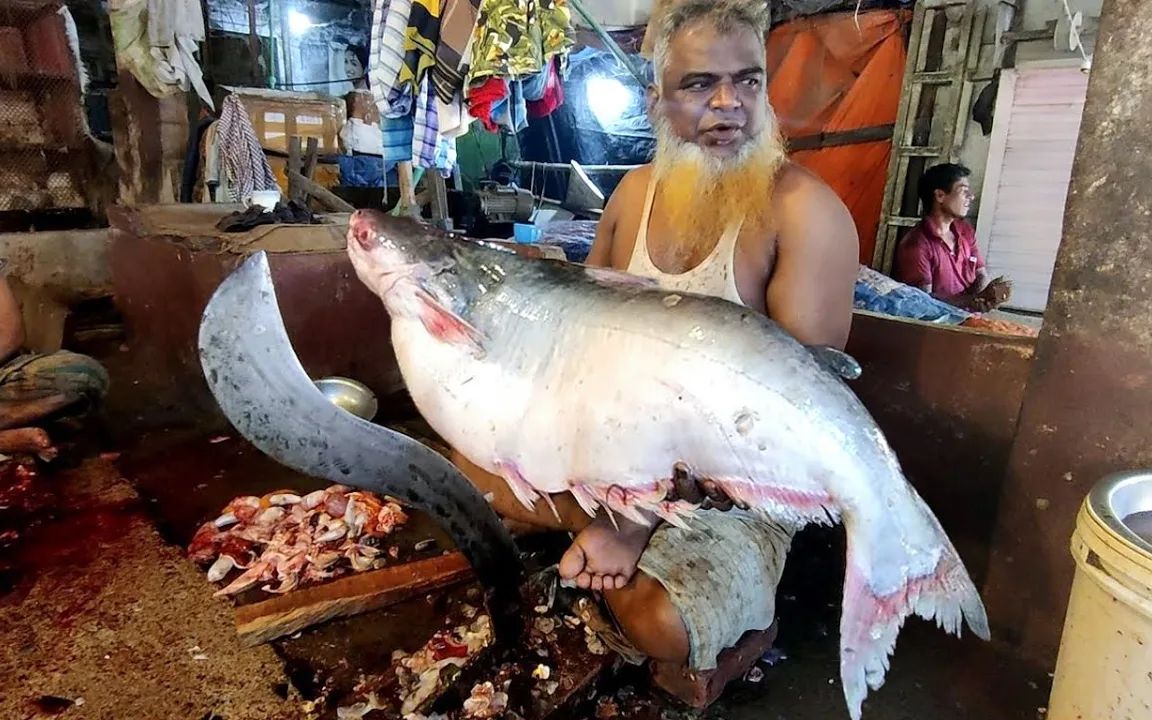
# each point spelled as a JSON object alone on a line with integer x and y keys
{"x": 564, "y": 378}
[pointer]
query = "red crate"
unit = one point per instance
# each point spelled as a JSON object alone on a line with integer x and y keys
{"x": 12, "y": 57}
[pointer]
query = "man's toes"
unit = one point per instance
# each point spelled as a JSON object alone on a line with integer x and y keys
{"x": 573, "y": 562}
{"x": 584, "y": 581}
{"x": 620, "y": 581}
{"x": 597, "y": 582}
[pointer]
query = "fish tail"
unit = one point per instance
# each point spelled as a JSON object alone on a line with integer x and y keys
{"x": 870, "y": 621}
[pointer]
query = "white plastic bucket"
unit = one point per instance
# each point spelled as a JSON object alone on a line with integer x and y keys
{"x": 1104, "y": 669}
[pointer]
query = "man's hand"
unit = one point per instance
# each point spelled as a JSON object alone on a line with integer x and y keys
{"x": 995, "y": 294}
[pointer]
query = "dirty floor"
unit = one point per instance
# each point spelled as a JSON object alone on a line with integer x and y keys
{"x": 108, "y": 611}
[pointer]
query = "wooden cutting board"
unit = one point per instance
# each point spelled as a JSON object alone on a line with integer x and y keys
{"x": 282, "y": 615}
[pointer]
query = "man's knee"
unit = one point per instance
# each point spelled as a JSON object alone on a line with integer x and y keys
{"x": 650, "y": 619}
{"x": 73, "y": 375}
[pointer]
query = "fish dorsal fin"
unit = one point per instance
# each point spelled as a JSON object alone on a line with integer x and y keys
{"x": 838, "y": 361}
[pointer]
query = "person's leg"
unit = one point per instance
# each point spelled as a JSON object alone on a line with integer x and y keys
{"x": 74, "y": 376}
{"x": 18, "y": 413}
{"x": 699, "y": 591}
{"x": 33, "y": 441}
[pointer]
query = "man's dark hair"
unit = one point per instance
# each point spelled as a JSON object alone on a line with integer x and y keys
{"x": 939, "y": 177}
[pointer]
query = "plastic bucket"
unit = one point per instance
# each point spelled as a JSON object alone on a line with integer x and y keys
{"x": 1104, "y": 669}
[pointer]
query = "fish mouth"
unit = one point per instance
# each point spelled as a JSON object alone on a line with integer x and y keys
{"x": 361, "y": 230}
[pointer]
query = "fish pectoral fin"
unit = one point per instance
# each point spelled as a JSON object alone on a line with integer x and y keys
{"x": 447, "y": 326}
{"x": 838, "y": 361}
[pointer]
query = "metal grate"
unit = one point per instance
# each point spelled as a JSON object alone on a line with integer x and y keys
{"x": 42, "y": 139}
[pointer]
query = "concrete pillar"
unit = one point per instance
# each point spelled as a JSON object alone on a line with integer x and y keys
{"x": 1087, "y": 409}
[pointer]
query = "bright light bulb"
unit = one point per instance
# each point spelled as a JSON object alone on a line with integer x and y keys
{"x": 298, "y": 22}
{"x": 607, "y": 98}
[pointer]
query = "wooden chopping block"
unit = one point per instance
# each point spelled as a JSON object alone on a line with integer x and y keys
{"x": 355, "y": 594}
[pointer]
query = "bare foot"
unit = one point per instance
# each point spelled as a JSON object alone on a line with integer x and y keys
{"x": 604, "y": 558}
{"x": 26, "y": 440}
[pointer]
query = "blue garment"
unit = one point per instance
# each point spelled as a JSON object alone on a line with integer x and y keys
{"x": 879, "y": 293}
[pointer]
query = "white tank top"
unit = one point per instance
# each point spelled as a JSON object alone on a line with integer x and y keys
{"x": 714, "y": 276}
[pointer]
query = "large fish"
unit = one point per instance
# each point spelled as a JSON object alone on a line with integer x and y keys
{"x": 564, "y": 378}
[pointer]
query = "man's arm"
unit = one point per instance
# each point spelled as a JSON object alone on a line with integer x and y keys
{"x": 600, "y": 255}
{"x": 817, "y": 260}
{"x": 11, "y": 324}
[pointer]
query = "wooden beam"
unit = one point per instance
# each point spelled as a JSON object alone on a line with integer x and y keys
{"x": 846, "y": 137}
{"x": 295, "y": 192}
{"x": 332, "y": 201}
{"x": 352, "y": 595}
{"x": 311, "y": 157}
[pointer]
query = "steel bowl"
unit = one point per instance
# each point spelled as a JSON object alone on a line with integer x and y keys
{"x": 1123, "y": 503}
{"x": 350, "y": 395}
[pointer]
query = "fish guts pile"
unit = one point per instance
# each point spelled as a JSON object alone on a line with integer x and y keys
{"x": 285, "y": 538}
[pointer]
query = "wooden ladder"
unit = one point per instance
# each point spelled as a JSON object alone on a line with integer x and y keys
{"x": 943, "y": 51}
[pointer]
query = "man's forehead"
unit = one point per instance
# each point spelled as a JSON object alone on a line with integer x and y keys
{"x": 701, "y": 47}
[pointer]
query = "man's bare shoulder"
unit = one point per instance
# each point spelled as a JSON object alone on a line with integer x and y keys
{"x": 632, "y": 186}
{"x": 797, "y": 186}
{"x": 808, "y": 211}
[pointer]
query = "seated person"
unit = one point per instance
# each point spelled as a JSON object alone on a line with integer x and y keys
{"x": 35, "y": 388}
{"x": 939, "y": 256}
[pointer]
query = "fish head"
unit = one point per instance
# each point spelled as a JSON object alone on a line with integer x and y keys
{"x": 394, "y": 256}
{"x": 383, "y": 247}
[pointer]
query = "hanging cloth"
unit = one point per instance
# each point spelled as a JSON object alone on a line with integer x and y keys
{"x": 420, "y": 39}
{"x": 243, "y": 158}
{"x": 517, "y": 37}
{"x": 456, "y": 27}
{"x": 483, "y": 99}
{"x": 553, "y": 95}
{"x": 389, "y": 26}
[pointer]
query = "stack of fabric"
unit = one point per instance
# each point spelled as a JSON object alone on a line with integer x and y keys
{"x": 437, "y": 65}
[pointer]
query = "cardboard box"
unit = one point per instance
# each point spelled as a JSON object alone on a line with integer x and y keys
{"x": 279, "y": 114}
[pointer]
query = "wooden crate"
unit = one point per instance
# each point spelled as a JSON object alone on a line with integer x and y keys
{"x": 277, "y": 115}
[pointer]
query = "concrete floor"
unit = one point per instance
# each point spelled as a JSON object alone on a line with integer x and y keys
{"x": 104, "y": 620}
{"x": 108, "y": 610}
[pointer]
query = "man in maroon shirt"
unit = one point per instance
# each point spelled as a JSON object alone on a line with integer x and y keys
{"x": 939, "y": 255}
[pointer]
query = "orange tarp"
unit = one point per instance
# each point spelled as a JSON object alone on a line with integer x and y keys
{"x": 835, "y": 73}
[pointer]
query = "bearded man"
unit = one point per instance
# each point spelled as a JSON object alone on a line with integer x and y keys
{"x": 720, "y": 211}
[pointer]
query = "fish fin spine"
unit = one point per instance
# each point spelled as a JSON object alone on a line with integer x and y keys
{"x": 521, "y": 488}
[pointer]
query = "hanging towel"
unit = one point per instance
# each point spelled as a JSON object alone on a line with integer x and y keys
{"x": 483, "y": 98}
{"x": 426, "y": 127}
{"x": 244, "y": 162}
{"x": 456, "y": 27}
{"x": 420, "y": 38}
{"x": 553, "y": 96}
{"x": 389, "y": 25}
{"x": 454, "y": 122}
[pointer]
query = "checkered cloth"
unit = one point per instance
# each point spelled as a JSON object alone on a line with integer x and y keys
{"x": 389, "y": 26}
{"x": 417, "y": 137}
{"x": 241, "y": 155}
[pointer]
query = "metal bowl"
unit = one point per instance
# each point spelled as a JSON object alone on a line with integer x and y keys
{"x": 1123, "y": 503}
{"x": 350, "y": 395}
